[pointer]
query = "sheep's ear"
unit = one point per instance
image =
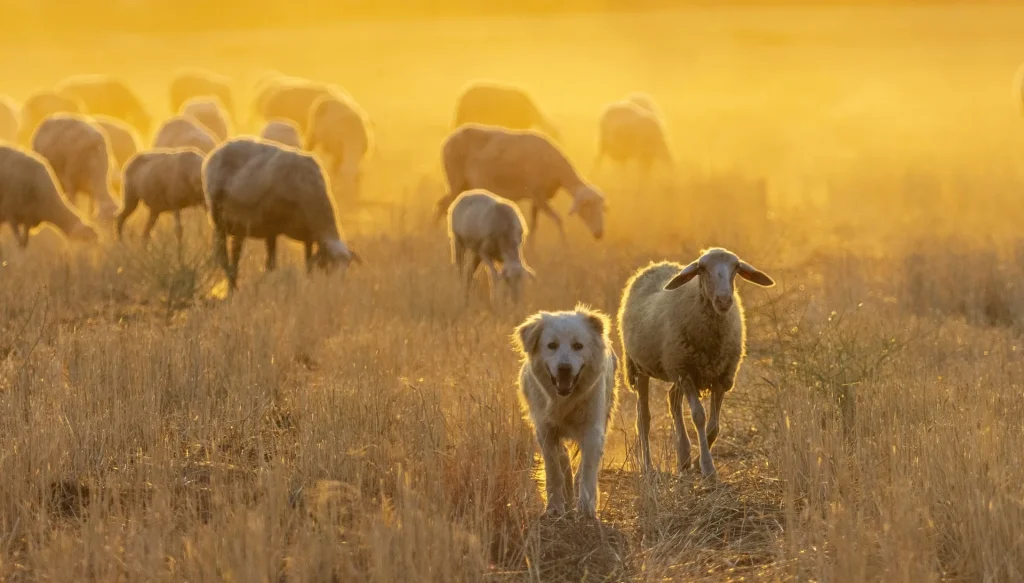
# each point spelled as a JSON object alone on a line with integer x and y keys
{"x": 355, "y": 258}
{"x": 749, "y": 273}
{"x": 527, "y": 334}
{"x": 689, "y": 272}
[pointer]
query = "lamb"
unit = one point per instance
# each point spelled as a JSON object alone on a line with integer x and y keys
{"x": 292, "y": 100}
{"x": 689, "y": 333}
{"x": 191, "y": 83}
{"x": 338, "y": 132}
{"x": 41, "y": 105}
{"x": 282, "y": 132}
{"x": 166, "y": 181}
{"x": 498, "y": 104}
{"x": 184, "y": 132}
{"x": 77, "y": 150}
{"x": 8, "y": 119}
{"x": 124, "y": 140}
{"x": 106, "y": 95}
{"x": 256, "y": 189}
{"x": 629, "y": 132}
{"x": 210, "y": 113}
{"x": 491, "y": 229}
{"x": 29, "y": 195}
{"x": 518, "y": 165}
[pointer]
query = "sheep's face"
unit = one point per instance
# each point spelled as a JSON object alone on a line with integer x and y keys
{"x": 514, "y": 276}
{"x": 564, "y": 349}
{"x": 590, "y": 206}
{"x": 718, "y": 269}
{"x": 334, "y": 254}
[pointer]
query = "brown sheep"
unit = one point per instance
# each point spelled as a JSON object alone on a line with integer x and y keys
{"x": 293, "y": 100}
{"x": 518, "y": 165}
{"x": 498, "y": 104}
{"x": 41, "y": 105}
{"x": 8, "y": 120}
{"x": 282, "y": 132}
{"x": 29, "y": 195}
{"x": 184, "y": 132}
{"x": 257, "y": 189}
{"x": 166, "y": 181}
{"x": 191, "y": 83}
{"x": 338, "y": 132}
{"x": 210, "y": 113}
{"x": 77, "y": 150}
{"x": 106, "y": 95}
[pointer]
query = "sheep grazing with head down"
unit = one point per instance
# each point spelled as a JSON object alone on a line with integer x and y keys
{"x": 684, "y": 325}
{"x": 490, "y": 230}
{"x": 166, "y": 181}
{"x": 256, "y": 189}
{"x": 8, "y": 119}
{"x": 629, "y": 132}
{"x": 41, "y": 105}
{"x": 191, "y": 83}
{"x": 498, "y": 104}
{"x": 292, "y": 100}
{"x": 282, "y": 132}
{"x": 518, "y": 165}
{"x": 77, "y": 150}
{"x": 184, "y": 132}
{"x": 338, "y": 132}
{"x": 106, "y": 95}
{"x": 29, "y": 195}
{"x": 209, "y": 112}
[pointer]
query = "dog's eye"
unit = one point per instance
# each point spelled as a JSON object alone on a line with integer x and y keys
{"x": 577, "y": 346}
{"x": 553, "y": 345}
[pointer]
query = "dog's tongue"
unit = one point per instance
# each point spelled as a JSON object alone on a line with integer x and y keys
{"x": 564, "y": 384}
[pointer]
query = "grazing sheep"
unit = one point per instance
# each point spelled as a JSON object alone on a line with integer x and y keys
{"x": 518, "y": 165}
{"x": 630, "y": 132}
{"x": 501, "y": 105}
{"x": 688, "y": 333}
{"x": 77, "y": 150}
{"x": 106, "y": 95}
{"x": 338, "y": 132}
{"x": 292, "y": 100}
{"x": 209, "y": 112}
{"x": 568, "y": 392}
{"x": 8, "y": 119}
{"x": 184, "y": 132}
{"x": 284, "y": 133}
{"x": 191, "y": 83}
{"x": 41, "y": 105}
{"x": 167, "y": 181}
{"x": 256, "y": 189}
{"x": 29, "y": 195}
{"x": 124, "y": 140}
{"x": 491, "y": 229}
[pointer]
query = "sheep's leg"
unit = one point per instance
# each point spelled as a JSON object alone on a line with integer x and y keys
{"x": 716, "y": 408}
{"x": 641, "y": 385}
{"x": 271, "y": 253}
{"x": 675, "y": 406}
{"x": 21, "y": 234}
{"x": 591, "y": 449}
{"x": 179, "y": 230}
{"x": 458, "y": 253}
{"x": 474, "y": 264}
{"x": 220, "y": 251}
{"x": 554, "y": 217}
{"x": 534, "y": 214}
{"x": 150, "y": 223}
{"x": 235, "y": 259}
{"x": 492, "y": 278}
{"x": 556, "y": 459}
{"x": 707, "y": 465}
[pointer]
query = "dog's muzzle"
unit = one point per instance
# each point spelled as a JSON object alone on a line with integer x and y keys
{"x": 565, "y": 380}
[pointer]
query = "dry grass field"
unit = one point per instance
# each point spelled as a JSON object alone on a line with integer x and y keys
{"x": 367, "y": 427}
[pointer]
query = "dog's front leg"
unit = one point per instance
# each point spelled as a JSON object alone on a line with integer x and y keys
{"x": 555, "y": 459}
{"x": 591, "y": 450}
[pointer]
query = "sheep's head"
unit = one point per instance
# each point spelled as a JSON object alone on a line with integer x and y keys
{"x": 718, "y": 269}
{"x": 335, "y": 253}
{"x": 513, "y": 276}
{"x": 588, "y": 203}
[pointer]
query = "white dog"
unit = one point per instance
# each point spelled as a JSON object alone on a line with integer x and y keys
{"x": 568, "y": 390}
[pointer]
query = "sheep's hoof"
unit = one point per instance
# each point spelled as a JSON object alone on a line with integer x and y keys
{"x": 554, "y": 512}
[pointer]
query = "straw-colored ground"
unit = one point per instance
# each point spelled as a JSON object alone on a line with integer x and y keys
{"x": 313, "y": 429}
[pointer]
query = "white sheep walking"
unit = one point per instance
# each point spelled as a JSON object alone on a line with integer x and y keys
{"x": 684, "y": 325}
{"x": 518, "y": 165}
{"x": 490, "y": 230}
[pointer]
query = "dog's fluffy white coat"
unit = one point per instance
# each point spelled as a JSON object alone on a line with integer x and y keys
{"x": 568, "y": 391}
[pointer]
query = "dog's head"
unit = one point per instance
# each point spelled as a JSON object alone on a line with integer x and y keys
{"x": 565, "y": 350}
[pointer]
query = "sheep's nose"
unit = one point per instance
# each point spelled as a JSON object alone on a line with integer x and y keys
{"x": 598, "y": 235}
{"x": 723, "y": 303}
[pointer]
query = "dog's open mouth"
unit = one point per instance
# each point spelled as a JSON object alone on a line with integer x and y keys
{"x": 565, "y": 383}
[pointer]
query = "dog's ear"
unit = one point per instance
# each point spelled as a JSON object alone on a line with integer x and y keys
{"x": 527, "y": 334}
{"x": 597, "y": 322}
